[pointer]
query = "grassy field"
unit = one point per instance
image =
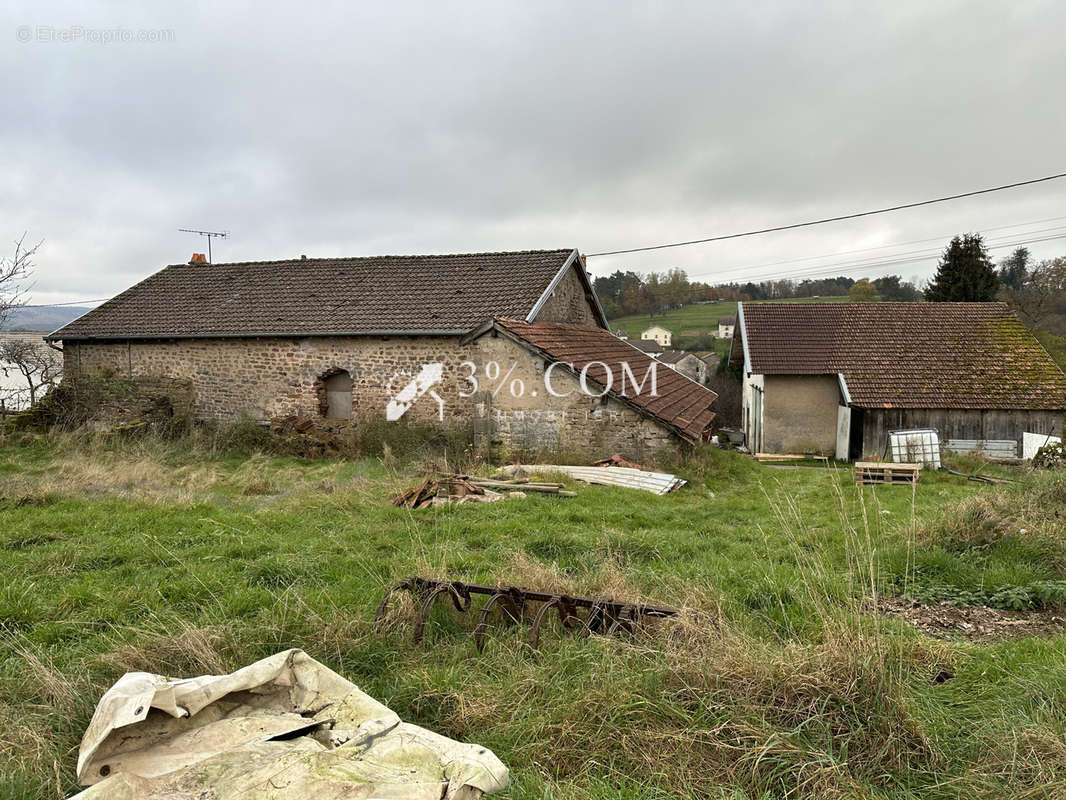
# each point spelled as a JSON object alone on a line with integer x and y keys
{"x": 780, "y": 679}
{"x": 692, "y": 321}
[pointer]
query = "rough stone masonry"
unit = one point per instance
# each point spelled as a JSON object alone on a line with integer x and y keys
{"x": 379, "y": 322}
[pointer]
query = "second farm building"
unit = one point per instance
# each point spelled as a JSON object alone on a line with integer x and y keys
{"x": 836, "y": 378}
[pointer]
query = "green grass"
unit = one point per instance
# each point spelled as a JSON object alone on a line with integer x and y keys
{"x": 778, "y": 680}
{"x": 692, "y": 321}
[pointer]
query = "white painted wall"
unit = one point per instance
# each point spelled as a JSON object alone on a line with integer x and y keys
{"x": 1031, "y": 442}
{"x": 658, "y": 334}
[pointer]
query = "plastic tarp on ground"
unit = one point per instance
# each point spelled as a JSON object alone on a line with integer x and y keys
{"x": 284, "y": 727}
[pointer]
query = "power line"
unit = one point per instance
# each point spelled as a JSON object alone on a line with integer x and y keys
{"x": 885, "y": 246}
{"x": 922, "y": 253}
{"x": 866, "y": 266}
{"x": 825, "y": 220}
{"x": 71, "y": 303}
{"x": 847, "y": 266}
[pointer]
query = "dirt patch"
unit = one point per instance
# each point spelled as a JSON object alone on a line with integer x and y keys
{"x": 945, "y": 620}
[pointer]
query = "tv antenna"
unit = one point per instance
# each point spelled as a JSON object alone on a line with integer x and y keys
{"x": 209, "y": 235}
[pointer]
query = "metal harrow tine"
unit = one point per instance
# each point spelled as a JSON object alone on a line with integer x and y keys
{"x": 511, "y": 609}
{"x": 423, "y": 615}
{"x": 534, "y": 635}
{"x": 379, "y": 617}
{"x": 568, "y": 613}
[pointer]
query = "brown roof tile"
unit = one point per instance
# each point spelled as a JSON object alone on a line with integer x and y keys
{"x": 325, "y": 296}
{"x": 679, "y": 402}
{"x": 646, "y": 345}
{"x": 908, "y": 355}
{"x": 671, "y": 356}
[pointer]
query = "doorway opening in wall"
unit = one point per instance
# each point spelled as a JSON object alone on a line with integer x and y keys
{"x": 855, "y": 435}
{"x": 338, "y": 395}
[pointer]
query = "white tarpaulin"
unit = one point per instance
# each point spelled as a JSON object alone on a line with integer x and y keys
{"x": 284, "y": 727}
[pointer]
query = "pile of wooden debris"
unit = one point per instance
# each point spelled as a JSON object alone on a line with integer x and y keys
{"x": 309, "y": 437}
{"x": 291, "y": 424}
{"x": 450, "y": 489}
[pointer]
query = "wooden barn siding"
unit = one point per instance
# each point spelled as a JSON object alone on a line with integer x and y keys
{"x": 955, "y": 424}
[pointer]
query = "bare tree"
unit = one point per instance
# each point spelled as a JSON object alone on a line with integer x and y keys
{"x": 13, "y": 273}
{"x": 1043, "y": 292}
{"x": 39, "y": 365}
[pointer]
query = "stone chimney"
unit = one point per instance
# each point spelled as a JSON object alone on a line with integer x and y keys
{"x": 198, "y": 258}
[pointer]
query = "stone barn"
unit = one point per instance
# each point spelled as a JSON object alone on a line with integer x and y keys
{"x": 688, "y": 364}
{"x": 513, "y": 347}
{"x": 836, "y": 378}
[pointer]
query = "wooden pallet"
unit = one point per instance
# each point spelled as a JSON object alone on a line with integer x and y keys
{"x": 868, "y": 472}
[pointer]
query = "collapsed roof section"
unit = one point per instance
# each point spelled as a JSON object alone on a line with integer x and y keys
{"x": 679, "y": 403}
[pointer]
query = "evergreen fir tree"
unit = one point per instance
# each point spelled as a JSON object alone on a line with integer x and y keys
{"x": 965, "y": 273}
{"x": 1014, "y": 269}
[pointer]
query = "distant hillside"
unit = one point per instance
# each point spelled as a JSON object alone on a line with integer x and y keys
{"x": 42, "y": 318}
{"x": 691, "y": 325}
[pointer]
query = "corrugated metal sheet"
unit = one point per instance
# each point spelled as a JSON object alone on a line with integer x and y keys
{"x": 990, "y": 448}
{"x": 654, "y": 482}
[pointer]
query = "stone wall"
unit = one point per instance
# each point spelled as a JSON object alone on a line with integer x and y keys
{"x": 275, "y": 377}
{"x": 568, "y": 303}
{"x": 693, "y": 368}
{"x": 272, "y": 377}
{"x": 528, "y": 418}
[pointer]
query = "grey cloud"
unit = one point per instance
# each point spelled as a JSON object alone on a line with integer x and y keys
{"x": 416, "y": 127}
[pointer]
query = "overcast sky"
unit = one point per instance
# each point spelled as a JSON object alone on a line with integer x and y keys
{"x": 395, "y": 127}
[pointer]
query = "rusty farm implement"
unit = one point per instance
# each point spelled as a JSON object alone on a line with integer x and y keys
{"x": 582, "y": 615}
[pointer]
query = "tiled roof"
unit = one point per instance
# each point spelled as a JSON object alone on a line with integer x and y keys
{"x": 326, "y": 296}
{"x": 679, "y": 402}
{"x": 671, "y": 356}
{"x": 908, "y": 355}
{"x": 646, "y": 345}
{"x": 727, "y": 320}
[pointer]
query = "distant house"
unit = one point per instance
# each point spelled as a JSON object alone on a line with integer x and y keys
{"x": 726, "y": 326}
{"x": 658, "y": 334}
{"x": 688, "y": 364}
{"x": 835, "y": 379}
{"x": 428, "y": 338}
{"x": 649, "y": 346}
{"x": 711, "y": 361}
